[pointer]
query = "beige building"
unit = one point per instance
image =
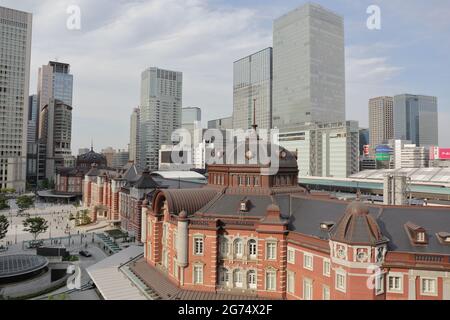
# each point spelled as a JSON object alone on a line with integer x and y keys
{"x": 15, "y": 46}
{"x": 134, "y": 136}
{"x": 381, "y": 120}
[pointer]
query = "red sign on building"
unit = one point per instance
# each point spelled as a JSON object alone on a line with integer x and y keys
{"x": 444, "y": 154}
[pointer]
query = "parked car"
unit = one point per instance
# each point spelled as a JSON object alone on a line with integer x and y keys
{"x": 85, "y": 253}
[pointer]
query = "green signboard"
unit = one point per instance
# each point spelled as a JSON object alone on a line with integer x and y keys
{"x": 383, "y": 157}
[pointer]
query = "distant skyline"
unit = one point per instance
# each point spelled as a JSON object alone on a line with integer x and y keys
{"x": 202, "y": 39}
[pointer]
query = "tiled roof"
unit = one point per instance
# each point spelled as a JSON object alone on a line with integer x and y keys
{"x": 189, "y": 200}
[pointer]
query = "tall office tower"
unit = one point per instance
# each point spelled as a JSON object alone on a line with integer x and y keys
{"x": 308, "y": 67}
{"x": 15, "y": 53}
{"x": 55, "y": 133}
{"x": 133, "y": 149}
{"x": 161, "y": 101}
{"x": 109, "y": 154}
{"x": 416, "y": 119}
{"x": 381, "y": 120}
{"x": 191, "y": 115}
{"x": 55, "y": 81}
{"x": 33, "y": 114}
{"x": 253, "y": 81}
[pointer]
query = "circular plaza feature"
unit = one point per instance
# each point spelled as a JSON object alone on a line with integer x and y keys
{"x": 15, "y": 268}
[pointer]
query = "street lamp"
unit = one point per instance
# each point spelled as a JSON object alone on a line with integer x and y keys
{"x": 16, "y": 234}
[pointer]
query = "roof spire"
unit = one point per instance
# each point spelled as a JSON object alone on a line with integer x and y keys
{"x": 92, "y": 144}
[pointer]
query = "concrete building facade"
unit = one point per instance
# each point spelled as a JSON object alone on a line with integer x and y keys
{"x": 134, "y": 148}
{"x": 324, "y": 150}
{"x": 15, "y": 46}
{"x": 381, "y": 120}
{"x": 161, "y": 104}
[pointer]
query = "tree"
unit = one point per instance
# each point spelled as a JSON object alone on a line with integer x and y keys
{"x": 35, "y": 226}
{"x": 24, "y": 202}
{"x": 3, "y": 202}
{"x": 4, "y": 225}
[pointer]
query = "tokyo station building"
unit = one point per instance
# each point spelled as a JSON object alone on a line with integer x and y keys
{"x": 254, "y": 233}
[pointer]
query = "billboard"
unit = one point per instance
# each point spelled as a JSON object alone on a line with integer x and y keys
{"x": 444, "y": 153}
{"x": 383, "y": 157}
{"x": 383, "y": 149}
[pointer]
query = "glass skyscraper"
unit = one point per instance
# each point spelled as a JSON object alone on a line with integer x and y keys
{"x": 416, "y": 119}
{"x": 253, "y": 81}
{"x": 309, "y": 67}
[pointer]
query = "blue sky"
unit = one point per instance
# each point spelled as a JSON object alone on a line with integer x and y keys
{"x": 201, "y": 38}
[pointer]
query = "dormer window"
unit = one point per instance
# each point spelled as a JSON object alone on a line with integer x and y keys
{"x": 417, "y": 234}
{"x": 245, "y": 205}
{"x": 326, "y": 225}
{"x": 444, "y": 237}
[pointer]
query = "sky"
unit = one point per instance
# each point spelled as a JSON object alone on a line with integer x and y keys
{"x": 121, "y": 38}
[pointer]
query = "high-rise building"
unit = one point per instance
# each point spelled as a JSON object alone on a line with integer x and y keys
{"x": 120, "y": 159}
{"x": 33, "y": 115}
{"x": 252, "y": 88}
{"x": 55, "y": 81}
{"x": 109, "y": 155}
{"x": 324, "y": 150}
{"x": 15, "y": 53}
{"x": 191, "y": 115}
{"x": 381, "y": 120}
{"x": 221, "y": 124}
{"x": 55, "y": 132}
{"x": 161, "y": 103}
{"x": 308, "y": 67}
{"x": 416, "y": 119}
{"x": 134, "y": 148}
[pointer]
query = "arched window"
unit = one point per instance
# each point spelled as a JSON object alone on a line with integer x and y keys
{"x": 237, "y": 278}
{"x": 238, "y": 248}
{"x": 252, "y": 248}
{"x": 251, "y": 279}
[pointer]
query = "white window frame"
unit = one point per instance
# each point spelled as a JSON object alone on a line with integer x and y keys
{"x": 202, "y": 246}
{"x": 238, "y": 253}
{"x": 271, "y": 250}
{"x": 342, "y": 288}
{"x": 254, "y": 285}
{"x": 291, "y": 255}
{"x": 253, "y": 243}
{"x": 379, "y": 284}
{"x": 398, "y": 276}
{"x": 327, "y": 267}
{"x": 308, "y": 283}
{"x": 308, "y": 257}
{"x": 428, "y": 293}
{"x": 224, "y": 247}
{"x": 198, "y": 274}
{"x": 238, "y": 278}
{"x": 272, "y": 284}
{"x": 290, "y": 283}
{"x": 326, "y": 293}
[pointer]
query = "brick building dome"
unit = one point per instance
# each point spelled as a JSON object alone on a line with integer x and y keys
{"x": 357, "y": 226}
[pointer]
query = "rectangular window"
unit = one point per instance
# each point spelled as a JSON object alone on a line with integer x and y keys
{"x": 326, "y": 267}
{"x": 271, "y": 281}
{"x": 198, "y": 246}
{"x": 429, "y": 286}
{"x": 291, "y": 256}
{"x": 326, "y": 293}
{"x": 379, "y": 284}
{"x": 271, "y": 251}
{"x": 341, "y": 280}
{"x": 395, "y": 284}
{"x": 307, "y": 289}
{"x": 308, "y": 261}
{"x": 290, "y": 282}
{"x": 198, "y": 274}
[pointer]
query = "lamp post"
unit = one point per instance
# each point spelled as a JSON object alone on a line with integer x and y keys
{"x": 16, "y": 235}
